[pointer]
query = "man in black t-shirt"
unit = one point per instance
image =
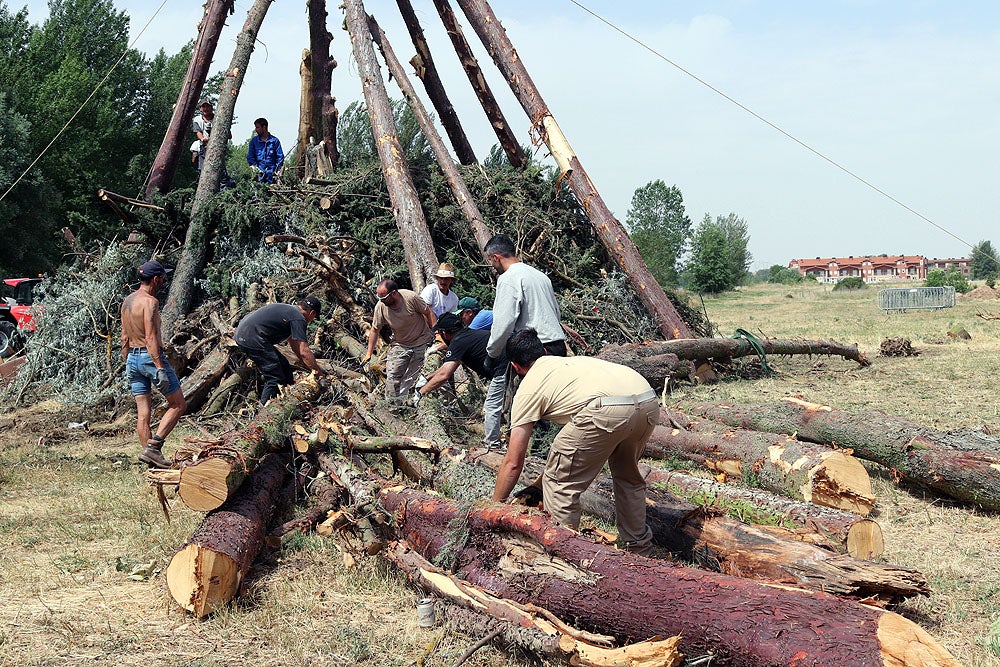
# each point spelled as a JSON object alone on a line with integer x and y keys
{"x": 467, "y": 347}
{"x": 259, "y": 332}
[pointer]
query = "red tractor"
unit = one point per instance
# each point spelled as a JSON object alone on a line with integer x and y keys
{"x": 16, "y": 317}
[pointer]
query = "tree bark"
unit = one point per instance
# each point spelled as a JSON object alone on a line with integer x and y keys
{"x": 961, "y": 464}
{"x": 525, "y": 557}
{"x": 609, "y": 230}
{"x": 423, "y": 63}
{"x": 421, "y": 258}
{"x": 717, "y": 542}
{"x": 844, "y": 531}
{"x": 161, "y": 175}
{"x": 218, "y": 471}
{"x": 659, "y": 360}
{"x": 514, "y": 151}
{"x": 207, "y": 572}
{"x": 457, "y": 184}
{"x": 527, "y": 626}
{"x": 196, "y": 241}
{"x": 324, "y": 105}
{"x": 306, "y": 127}
{"x": 780, "y": 464}
{"x": 199, "y": 385}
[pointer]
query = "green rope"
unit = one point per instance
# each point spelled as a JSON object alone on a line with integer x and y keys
{"x": 756, "y": 345}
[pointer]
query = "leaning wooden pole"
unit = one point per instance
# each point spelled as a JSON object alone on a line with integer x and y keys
{"x": 324, "y": 109}
{"x": 423, "y": 63}
{"x": 197, "y": 239}
{"x": 458, "y": 187}
{"x": 611, "y": 232}
{"x": 307, "y": 129}
{"x": 161, "y": 175}
{"x": 514, "y": 151}
{"x": 421, "y": 258}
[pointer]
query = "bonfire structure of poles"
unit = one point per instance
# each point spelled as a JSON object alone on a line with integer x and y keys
{"x": 794, "y": 582}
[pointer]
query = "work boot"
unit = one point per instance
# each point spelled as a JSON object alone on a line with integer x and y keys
{"x": 153, "y": 454}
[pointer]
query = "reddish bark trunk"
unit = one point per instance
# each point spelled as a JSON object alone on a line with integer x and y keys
{"x": 161, "y": 175}
{"x": 515, "y": 154}
{"x": 609, "y": 230}
{"x": 423, "y": 63}
{"x": 525, "y": 557}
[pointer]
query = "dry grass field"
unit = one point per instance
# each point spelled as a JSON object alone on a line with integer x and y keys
{"x": 78, "y": 527}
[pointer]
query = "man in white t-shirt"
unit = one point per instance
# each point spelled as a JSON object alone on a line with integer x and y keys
{"x": 607, "y": 412}
{"x": 439, "y": 295}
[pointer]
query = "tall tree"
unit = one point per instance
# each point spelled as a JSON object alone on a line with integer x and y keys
{"x": 984, "y": 261}
{"x": 660, "y": 229}
{"x": 719, "y": 254}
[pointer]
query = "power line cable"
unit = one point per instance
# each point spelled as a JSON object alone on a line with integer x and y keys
{"x": 773, "y": 126}
{"x": 85, "y": 102}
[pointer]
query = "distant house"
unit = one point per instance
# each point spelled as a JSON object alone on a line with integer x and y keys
{"x": 870, "y": 268}
{"x": 962, "y": 264}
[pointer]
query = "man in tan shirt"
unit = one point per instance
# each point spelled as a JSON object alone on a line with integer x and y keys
{"x": 608, "y": 412}
{"x": 146, "y": 365}
{"x": 410, "y": 319}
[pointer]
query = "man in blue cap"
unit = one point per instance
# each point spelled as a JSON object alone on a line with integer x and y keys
{"x": 146, "y": 365}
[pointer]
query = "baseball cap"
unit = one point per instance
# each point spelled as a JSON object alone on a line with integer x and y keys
{"x": 467, "y": 303}
{"x": 311, "y": 303}
{"x": 152, "y": 268}
{"x": 204, "y": 102}
{"x": 449, "y": 323}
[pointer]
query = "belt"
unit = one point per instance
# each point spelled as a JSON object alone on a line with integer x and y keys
{"x": 136, "y": 350}
{"x": 634, "y": 399}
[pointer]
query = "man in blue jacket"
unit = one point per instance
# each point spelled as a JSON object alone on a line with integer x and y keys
{"x": 265, "y": 154}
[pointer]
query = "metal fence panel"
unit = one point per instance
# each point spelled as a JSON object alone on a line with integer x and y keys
{"x": 916, "y": 298}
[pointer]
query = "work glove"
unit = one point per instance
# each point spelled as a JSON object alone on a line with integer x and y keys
{"x": 529, "y": 495}
{"x": 162, "y": 380}
{"x": 416, "y": 398}
{"x": 366, "y": 362}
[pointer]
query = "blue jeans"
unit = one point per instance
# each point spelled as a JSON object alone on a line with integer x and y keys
{"x": 141, "y": 372}
{"x": 493, "y": 409}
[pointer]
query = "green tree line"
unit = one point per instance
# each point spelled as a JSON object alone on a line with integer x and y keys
{"x": 46, "y": 72}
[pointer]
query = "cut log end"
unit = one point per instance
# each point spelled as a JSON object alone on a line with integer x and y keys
{"x": 201, "y": 580}
{"x": 864, "y": 540}
{"x": 906, "y": 644}
{"x": 204, "y": 485}
{"x": 842, "y": 482}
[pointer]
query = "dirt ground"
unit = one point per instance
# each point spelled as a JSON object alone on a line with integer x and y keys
{"x": 83, "y": 542}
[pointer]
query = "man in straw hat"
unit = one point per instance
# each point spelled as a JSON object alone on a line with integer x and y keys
{"x": 439, "y": 295}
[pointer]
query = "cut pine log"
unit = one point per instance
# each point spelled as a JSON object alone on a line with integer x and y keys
{"x": 525, "y": 557}
{"x": 659, "y": 360}
{"x": 207, "y": 572}
{"x": 844, "y": 531}
{"x": 718, "y": 542}
{"x": 199, "y": 385}
{"x": 961, "y": 464}
{"x": 778, "y": 463}
{"x": 218, "y": 471}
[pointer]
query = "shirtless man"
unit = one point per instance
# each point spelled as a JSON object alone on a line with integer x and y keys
{"x": 146, "y": 365}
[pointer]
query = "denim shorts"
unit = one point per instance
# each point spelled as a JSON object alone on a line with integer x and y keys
{"x": 141, "y": 373}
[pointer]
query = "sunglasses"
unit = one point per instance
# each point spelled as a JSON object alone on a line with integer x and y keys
{"x": 383, "y": 298}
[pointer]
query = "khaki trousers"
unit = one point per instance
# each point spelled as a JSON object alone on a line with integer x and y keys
{"x": 613, "y": 434}
{"x": 402, "y": 367}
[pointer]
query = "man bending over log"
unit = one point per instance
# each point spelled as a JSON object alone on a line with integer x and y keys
{"x": 146, "y": 365}
{"x": 607, "y": 411}
{"x": 259, "y": 332}
{"x": 467, "y": 347}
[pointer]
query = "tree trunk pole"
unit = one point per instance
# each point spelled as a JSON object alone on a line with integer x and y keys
{"x": 324, "y": 109}
{"x": 611, "y": 232}
{"x": 423, "y": 63}
{"x": 196, "y": 241}
{"x": 515, "y": 154}
{"x": 161, "y": 175}
{"x": 458, "y": 187}
{"x": 306, "y": 113}
{"x": 421, "y": 258}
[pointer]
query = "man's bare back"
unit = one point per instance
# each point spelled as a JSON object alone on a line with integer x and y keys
{"x": 141, "y": 323}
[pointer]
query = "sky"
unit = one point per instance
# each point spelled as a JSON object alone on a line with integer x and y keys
{"x": 903, "y": 94}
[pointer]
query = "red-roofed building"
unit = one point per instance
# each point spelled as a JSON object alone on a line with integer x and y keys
{"x": 962, "y": 264}
{"x": 870, "y": 268}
